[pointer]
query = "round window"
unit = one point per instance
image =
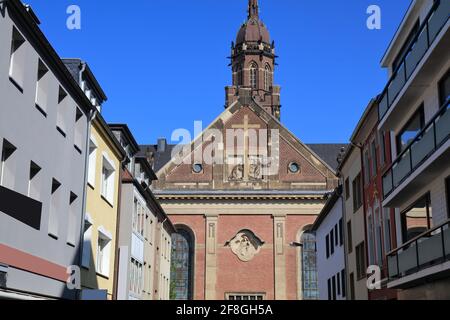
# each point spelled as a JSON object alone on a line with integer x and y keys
{"x": 197, "y": 168}
{"x": 294, "y": 167}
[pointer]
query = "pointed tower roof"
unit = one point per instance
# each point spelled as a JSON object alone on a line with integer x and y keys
{"x": 253, "y": 30}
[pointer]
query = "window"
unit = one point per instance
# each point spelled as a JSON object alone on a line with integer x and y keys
{"x": 17, "y": 59}
{"x": 333, "y": 284}
{"x": 253, "y": 75}
{"x": 108, "y": 180}
{"x": 360, "y": 261}
{"x": 139, "y": 213}
{"x": 404, "y": 50}
{"x": 417, "y": 219}
{"x": 387, "y": 229}
{"x": 55, "y": 203}
{"x": 357, "y": 193}
{"x": 366, "y": 167}
{"x": 444, "y": 89}
{"x": 92, "y": 161}
{"x": 447, "y": 188}
{"x": 247, "y": 296}
{"x": 310, "y": 286}
{"x": 410, "y": 130}
{"x": 8, "y": 165}
{"x": 336, "y": 235}
{"x": 341, "y": 233}
{"x": 382, "y": 140}
{"x": 330, "y": 296}
{"x": 79, "y": 130}
{"x": 370, "y": 237}
{"x": 332, "y": 242}
{"x": 347, "y": 189}
{"x": 327, "y": 240}
{"x": 182, "y": 270}
{"x": 74, "y": 210}
{"x": 42, "y": 88}
{"x": 352, "y": 286}
{"x": 349, "y": 237}
{"x": 103, "y": 253}
{"x": 136, "y": 277}
{"x": 373, "y": 158}
{"x": 240, "y": 76}
{"x": 34, "y": 183}
{"x": 61, "y": 111}
{"x": 344, "y": 284}
{"x": 87, "y": 243}
{"x": 338, "y": 282}
{"x": 267, "y": 78}
{"x": 378, "y": 234}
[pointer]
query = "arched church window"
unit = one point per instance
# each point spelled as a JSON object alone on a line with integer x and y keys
{"x": 182, "y": 267}
{"x": 309, "y": 267}
{"x": 253, "y": 75}
{"x": 267, "y": 78}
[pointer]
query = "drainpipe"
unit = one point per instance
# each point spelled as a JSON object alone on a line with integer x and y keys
{"x": 92, "y": 115}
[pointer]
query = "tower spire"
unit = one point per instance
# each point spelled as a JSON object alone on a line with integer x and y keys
{"x": 253, "y": 9}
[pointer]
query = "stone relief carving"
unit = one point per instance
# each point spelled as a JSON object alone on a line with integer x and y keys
{"x": 245, "y": 245}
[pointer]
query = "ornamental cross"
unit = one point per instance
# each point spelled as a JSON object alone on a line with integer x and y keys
{"x": 246, "y": 126}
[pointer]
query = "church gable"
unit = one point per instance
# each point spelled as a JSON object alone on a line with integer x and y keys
{"x": 254, "y": 152}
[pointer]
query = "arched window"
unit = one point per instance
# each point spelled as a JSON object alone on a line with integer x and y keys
{"x": 267, "y": 78}
{"x": 310, "y": 286}
{"x": 253, "y": 75}
{"x": 182, "y": 268}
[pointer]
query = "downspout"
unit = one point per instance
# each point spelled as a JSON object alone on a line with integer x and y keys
{"x": 116, "y": 259}
{"x": 92, "y": 115}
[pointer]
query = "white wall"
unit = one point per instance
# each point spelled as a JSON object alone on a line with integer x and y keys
{"x": 332, "y": 266}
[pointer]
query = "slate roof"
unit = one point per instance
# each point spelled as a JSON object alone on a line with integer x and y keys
{"x": 328, "y": 152}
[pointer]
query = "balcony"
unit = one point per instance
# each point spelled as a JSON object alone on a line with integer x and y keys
{"x": 423, "y": 60}
{"x": 420, "y": 162}
{"x": 426, "y": 256}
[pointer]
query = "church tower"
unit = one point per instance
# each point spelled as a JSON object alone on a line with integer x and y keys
{"x": 253, "y": 64}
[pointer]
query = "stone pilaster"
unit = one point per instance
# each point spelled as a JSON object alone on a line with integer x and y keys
{"x": 279, "y": 251}
{"x": 211, "y": 256}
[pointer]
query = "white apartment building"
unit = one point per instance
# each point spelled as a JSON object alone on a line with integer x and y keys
{"x": 329, "y": 232}
{"x": 413, "y": 108}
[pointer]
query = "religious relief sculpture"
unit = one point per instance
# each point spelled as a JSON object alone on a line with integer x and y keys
{"x": 237, "y": 173}
{"x": 255, "y": 168}
{"x": 245, "y": 245}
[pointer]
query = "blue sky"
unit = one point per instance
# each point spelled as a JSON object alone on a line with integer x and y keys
{"x": 163, "y": 63}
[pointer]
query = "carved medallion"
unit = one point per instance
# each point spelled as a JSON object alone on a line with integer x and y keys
{"x": 245, "y": 245}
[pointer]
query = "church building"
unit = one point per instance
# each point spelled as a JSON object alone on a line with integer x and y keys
{"x": 244, "y": 194}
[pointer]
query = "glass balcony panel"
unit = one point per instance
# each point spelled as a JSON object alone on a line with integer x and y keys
{"x": 387, "y": 183}
{"x": 407, "y": 259}
{"x": 438, "y": 19}
{"x": 397, "y": 84}
{"x": 430, "y": 249}
{"x": 422, "y": 148}
{"x": 447, "y": 241}
{"x": 417, "y": 53}
{"x": 443, "y": 127}
{"x": 402, "y": 169}
{"x": 383, "y": 106}
{"x": 392, "y": 265}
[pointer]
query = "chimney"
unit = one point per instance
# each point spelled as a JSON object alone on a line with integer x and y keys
{"x": 162, "y": 144}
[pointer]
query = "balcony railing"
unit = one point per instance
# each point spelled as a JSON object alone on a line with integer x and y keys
{"x": 427, "y": 250}
{"x": 434, "y": 135}
{"x": 434, "y": 22}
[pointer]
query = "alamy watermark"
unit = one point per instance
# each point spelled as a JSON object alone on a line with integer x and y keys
{"x": 73, "y": 21}
{"x": 374, "y": 19}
